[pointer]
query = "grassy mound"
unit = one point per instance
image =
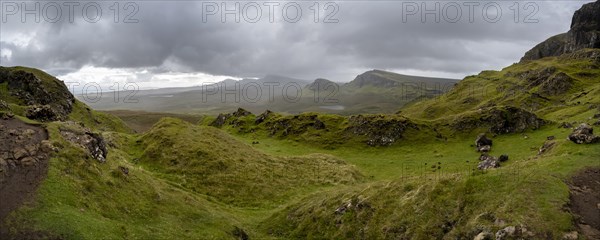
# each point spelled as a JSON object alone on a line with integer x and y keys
{"x": 210, "y": 162}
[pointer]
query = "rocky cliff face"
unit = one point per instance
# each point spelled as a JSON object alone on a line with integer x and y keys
{"x": 584, "y": 33}
{"x": 585, "y": 28}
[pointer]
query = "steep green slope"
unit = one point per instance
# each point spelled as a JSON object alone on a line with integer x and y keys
{"x": 563, "y": 88}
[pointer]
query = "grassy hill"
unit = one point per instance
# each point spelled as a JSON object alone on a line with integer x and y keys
{"x": 563, "y": 88}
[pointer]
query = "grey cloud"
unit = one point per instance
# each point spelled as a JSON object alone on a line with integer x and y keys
{"x": 172, "y": 37}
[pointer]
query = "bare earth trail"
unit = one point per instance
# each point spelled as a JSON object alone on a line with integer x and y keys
{"x": 585, "y": 202}
{"x": 23, "y": 164}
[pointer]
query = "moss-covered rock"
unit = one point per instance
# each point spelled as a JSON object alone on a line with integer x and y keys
{"x": 33, "y": 87}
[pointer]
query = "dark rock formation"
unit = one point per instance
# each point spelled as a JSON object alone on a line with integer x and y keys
{"x": 482, "y": 143}
{"x": 262, "y": 117}
{"x": 31, "y": 90}
{"x": 230, "y": 118}
{"x": 92, "y": 142}
{"x": 295, "y": 125}
{"x": 555, "y": 85}
{"x": 584, "y": 33}
{"x": 240, "y": 112}
{"x": 585, "y": 28}
{"x": 584, "y": 134}
{"x": 488, "y": 162}
{"x": 500, "y": 120}
{"x": 220, "y": 120}
{"x": 380, "y": 131}
{"x": 43, "y": 113}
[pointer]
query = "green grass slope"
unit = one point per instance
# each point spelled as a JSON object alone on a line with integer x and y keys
{"x": 210, "y": 162}
{"x": 450, "y": 201}
{"x": 84, "y": 199}
{"x": 556, "y": 88}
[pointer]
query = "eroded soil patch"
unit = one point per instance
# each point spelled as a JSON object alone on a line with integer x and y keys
{"x": 585, "y": 202}
{"x": 24, "y": 157}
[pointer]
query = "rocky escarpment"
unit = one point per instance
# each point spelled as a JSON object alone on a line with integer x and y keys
{"x": 47, "y": 98}
{"x": 584, "y": 33}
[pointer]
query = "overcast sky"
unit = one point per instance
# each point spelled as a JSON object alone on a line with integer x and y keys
{"x": 183, "y": 43}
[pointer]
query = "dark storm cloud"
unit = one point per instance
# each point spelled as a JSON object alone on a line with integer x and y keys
{"x": 171, "y": 36}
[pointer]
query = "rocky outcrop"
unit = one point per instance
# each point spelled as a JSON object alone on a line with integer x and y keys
{"x": 92, "y": 143}
{"x": 220, "y": 120}
{"x": 295, "y": 125}
{"x": 31, "y": 90}
{"x": 43, "y": 113}
{"x": 488, "y": 162}
{"x": 549, "y": 81}
{"x": 240, "y": 112}
{"x": 262, "y": 117}
{"x": 482, "y": 143}
{"x": 499, "y": 120}
{"x": 379, "y": 130}
{"x": 224, "y": 118}
{"x": 584, "y": 134}
{"x": 555, "y": 85}
{"x": 584, "y": 33}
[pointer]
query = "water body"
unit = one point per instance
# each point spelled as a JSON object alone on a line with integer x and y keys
{"x": 333, "y": 107}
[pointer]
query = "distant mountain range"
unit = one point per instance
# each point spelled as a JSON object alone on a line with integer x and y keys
{"x": 374, "y": 91}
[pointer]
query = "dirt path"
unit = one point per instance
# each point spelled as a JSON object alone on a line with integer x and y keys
{"x": 585, "y": 202}
{"x": 23, "y": 163}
